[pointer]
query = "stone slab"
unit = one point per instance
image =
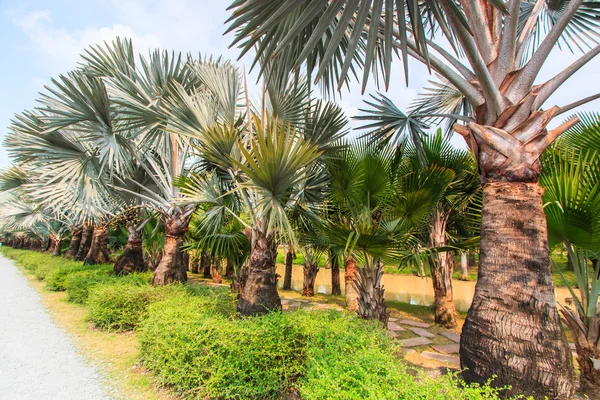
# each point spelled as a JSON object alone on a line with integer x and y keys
{"x": 414, "y": 323}
{"x": 393, "y": 319}
{"x": 422, "y": 332}
{"x": 284, "y": 301}
{"x": 392, "y": 326}
{"x": 418, "y": 341}
{"x": 445, "y": 358}
{"x": 452, "y": 336}
{"x": 447, "y": 348}
{"x": 392, "y": 334}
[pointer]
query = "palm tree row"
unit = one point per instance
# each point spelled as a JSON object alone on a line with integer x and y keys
{"x": 488, "y": 54}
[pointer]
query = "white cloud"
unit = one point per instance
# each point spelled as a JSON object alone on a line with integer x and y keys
{"x": 59, "y": 48}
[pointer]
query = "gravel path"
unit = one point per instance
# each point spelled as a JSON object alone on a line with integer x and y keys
{"x": 37, "y": 359}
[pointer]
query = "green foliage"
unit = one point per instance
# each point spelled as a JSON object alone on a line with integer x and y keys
{"x": 78, "y": 284}
{"x": 121, "y": 305}
{"x": 196, "y": 346}
{"x": 39, "y": 264}
{"x": 56, "y": 278}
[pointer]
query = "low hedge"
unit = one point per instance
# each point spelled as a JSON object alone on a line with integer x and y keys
{"x": 195, "y": 347}
{"x": 193, "y": 341}
{"x": 78, "y": 284}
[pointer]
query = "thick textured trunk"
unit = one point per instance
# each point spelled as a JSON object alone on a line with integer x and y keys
{"x": 464, "y": 266}
{"x": 214, "y": 270}
{"x": 371, "y": 304}
{"x": 513, "y": 328}
{"x": 75, "y": 241}
{"x": 57, "y": 250}
{"x": 171, "y": 268}
{"x": 239, "y": 281}
{"x": 132, "y": 259}
{"x": 186, "y": 260}
{"x": 350, "y": 278}
{"x": 260, "y": 295}
{"x": 86, "y": 242}
{"x": 229, "y": 269}
{"x": 336, "y": 288}
{"x": 194, "y": 264}
{"x": 287, "y": 278}
{"x": 311, "y": 269}
{"x": 51, "y": 244}
{"x": 98, "y": 253}
{"x": 442, "y": 268}
{"x": 472, "y": 263}
{"x": 36, "y": 245}
{"x": 205, "y": 265}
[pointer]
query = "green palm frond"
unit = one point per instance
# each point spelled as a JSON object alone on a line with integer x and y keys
{"x": 572, "y": 198}
{"x": 584, "y": 136}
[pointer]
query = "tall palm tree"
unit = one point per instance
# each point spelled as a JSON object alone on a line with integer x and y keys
{"x": 458, "y": 194}
{"x": 498, "y": 49}
{"x": 265, "y": 159}
{"x": 371, "y": 211}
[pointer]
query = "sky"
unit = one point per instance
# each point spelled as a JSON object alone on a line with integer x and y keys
{"x": 42, "y": 39}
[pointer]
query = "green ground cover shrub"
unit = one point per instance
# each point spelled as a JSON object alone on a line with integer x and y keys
{"x": 57, "y": 277}
{"x": 37, "y": 263}
{"x": 78, "y": 284}
{"x": 204, "y": 351}
{"x": 121, "y": 303}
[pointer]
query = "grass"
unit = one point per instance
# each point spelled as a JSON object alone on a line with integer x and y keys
{"x": 190, "y": 339}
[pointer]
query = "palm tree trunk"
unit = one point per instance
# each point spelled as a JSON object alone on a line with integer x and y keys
{"x": 132, "y": 259}
{"x": 75, "y": 241}
{"x": 229, "y": 269}
{"x": 350, "y": 278}
{"x": 205, "y": 265}
{"x": 171, "y": 267}
{"x": 260, "y": 290}
{"x": 472, "y": 263}
{"x": 98, "y": 253}
{"x": 311, "y": 269}
{"x": 513, "y": 328}
{"x": 86, "y": 241}
{"x": 57, "y": 251}
{"x": 214, "y": 270}
{"x": 336, "y": 289}
{"x": 371, "y": 304}
{"x": 441, "y": 274}
{"x": 51, "y": 244}
{"x": 194, "y": 263}
{"x": 464, "y": 266}
{"x": 287, "y": 278}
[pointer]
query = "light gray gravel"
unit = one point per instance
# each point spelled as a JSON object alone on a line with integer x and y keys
{"x": 37, "y": 359}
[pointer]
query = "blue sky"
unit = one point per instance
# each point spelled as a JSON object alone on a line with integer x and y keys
{"x": 41, "y": 39}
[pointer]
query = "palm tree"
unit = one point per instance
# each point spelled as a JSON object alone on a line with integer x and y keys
{"x": 458, "y": 194}
{"x": 499, "y": 48}
{"x": 369, "y": 217}
{"x": 572, "y": 206}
